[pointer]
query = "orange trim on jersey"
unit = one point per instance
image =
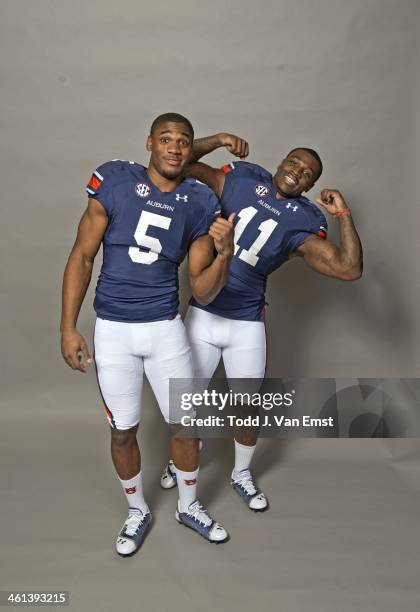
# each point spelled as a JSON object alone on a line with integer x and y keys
{"x": 226, "y": 169}
{"x": 94, "y": 182}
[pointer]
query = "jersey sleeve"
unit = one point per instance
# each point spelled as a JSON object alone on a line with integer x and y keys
{"x": 209, "y": 212}
{"x": 101, "y": 182}
{"x": 241, "y": 170}
{"x": 315, "y": 223}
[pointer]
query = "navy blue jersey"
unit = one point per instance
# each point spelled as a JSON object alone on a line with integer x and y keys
{"x": 148, "y": 235}
{"x": 267, "y": 231}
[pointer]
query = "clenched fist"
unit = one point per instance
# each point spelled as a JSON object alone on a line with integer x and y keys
{"x": 234, "y": 144}
{"x": 332, "y": 201}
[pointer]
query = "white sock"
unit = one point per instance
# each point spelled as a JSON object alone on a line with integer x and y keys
{"x": 133, "y": 490}
{"x": 243, "y": 457}
{"x": 187, "y": 487}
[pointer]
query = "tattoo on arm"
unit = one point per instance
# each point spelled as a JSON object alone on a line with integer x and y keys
{"x": 344, "y": 262}
{"x": 203, "y": 146}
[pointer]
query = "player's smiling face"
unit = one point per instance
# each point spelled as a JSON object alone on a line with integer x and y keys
{"x": 171, "y": 146}
{"x": 296, "y": 174}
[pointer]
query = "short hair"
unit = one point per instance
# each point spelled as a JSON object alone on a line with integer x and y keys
{"x": 314, "y": 155}
{"x": 175, "y": 118}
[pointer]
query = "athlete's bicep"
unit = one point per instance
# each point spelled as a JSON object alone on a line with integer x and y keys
{"x": 91, "y": 229}
{"x": 319, "y": 254}
{"x": 213, "y": 177}
{"x": 200, "y": 256}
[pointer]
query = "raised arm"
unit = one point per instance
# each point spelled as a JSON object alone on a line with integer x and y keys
{"x": 76, "y": 280}
{"x": 234, "y": 144}
{"x": 214, "y": 177}
{"x": 344, "y": 262}
{"x": 208, "y": 275}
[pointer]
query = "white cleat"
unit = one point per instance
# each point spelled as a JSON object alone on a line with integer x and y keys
{"x": 197, "y": 518}
{"x": 133, "y": 533}
{"x": 245, "y": 487}
{"x": 168, "y": 478}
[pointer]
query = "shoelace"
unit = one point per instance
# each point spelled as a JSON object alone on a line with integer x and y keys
{"x": 246, "y": 482}
{"x": 133, "y": 523}
{"x": 197, "y": 511}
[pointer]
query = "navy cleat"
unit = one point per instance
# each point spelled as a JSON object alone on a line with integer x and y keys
{"x": 197, "y": 518}
{"x": 245, "y": 487}
{"x": 168, "y": 478}
{"x": 133, "y": 532}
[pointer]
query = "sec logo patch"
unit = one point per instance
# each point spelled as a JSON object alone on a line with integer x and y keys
{"x": 143, "y": 190}
{"x": 261, "y": 190}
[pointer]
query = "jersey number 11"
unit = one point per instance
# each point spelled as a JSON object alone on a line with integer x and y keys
{"x": 266, "y": 228}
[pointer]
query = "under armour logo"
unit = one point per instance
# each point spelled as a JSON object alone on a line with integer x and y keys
{"x": 180, "y": 197}
{"x": 294, "y": 208}
{"x": 190, "y": 482}
{"x": 130, "y": 490}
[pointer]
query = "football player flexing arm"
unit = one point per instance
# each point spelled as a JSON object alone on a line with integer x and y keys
{"x": 147, "y": 220}
{"x": 274, "y": 222}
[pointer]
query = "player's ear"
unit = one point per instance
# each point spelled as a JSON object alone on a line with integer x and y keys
{"x": 149, "y": 143}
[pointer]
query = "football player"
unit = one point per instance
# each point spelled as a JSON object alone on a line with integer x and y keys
{"x": 147, "y": 219}
{"x": 274, "y": 222}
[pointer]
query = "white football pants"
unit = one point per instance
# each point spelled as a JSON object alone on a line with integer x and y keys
{"x": 241, "y": 344}
{"x": 123, "y": 351}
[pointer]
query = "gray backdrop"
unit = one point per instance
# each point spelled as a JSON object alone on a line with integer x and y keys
{"x": 81, "y": 83}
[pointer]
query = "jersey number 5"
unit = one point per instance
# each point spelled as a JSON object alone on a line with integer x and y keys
{"x": 266, "y": 228}
{"x": 148, "y": 257}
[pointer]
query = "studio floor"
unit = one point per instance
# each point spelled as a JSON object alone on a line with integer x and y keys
{"x": 341, "y": 533}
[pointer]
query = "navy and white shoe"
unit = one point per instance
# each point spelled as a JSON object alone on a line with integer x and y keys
{"x": 245, "y": 487}
{"x": 133, "y": 532}
{"x": 168, "y": 478}
{"x": 198, "y": 519}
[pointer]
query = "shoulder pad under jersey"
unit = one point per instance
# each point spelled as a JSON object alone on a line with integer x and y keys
{"x": 247, "y": 170}
{"x": 108, "y": 174}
